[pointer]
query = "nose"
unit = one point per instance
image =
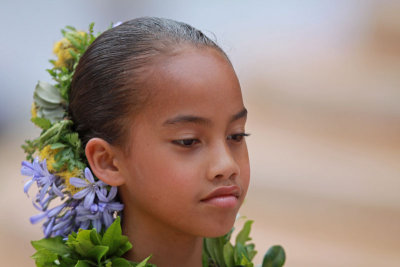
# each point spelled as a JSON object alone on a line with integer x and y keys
{"x": 222, "y": 164}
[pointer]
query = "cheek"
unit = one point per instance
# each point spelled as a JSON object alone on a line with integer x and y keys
{"x": 244, "y": 164}
{"x": 161, "y": 175}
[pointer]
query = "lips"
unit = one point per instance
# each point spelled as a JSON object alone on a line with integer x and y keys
{"x": 224, "y": 197}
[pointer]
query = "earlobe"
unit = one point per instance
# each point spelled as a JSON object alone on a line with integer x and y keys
{"x": 103, "y": 162}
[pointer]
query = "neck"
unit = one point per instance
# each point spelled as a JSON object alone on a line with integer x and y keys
{"x": 167, "y": 246}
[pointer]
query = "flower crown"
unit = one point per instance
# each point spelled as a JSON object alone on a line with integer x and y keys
{"x": 83, "y": 227}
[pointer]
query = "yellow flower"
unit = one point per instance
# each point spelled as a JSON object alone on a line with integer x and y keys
{"x": 62, "y": 50}
{"x": 66, "y": 175}
{"x": 48, "y": 154}
{"x": 34, "y": 110}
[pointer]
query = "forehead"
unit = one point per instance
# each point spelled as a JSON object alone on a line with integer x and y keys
{"x": 195, "y": 81}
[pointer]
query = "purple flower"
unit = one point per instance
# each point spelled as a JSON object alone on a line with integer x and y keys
{"x": 108, "y": 210}
{"x": 93, "y": 206}
{"x": 98, "y": 214}
{"x": 46, "y": 182}
{"x": 51, "y": 216}
{"x": 37, "y": 170}
{"x": 90, "y": 188}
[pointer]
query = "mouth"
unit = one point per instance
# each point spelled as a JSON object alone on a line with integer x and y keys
{"x": 223, "y": 197}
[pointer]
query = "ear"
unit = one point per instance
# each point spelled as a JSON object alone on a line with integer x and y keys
{"x": 103, "y": 161}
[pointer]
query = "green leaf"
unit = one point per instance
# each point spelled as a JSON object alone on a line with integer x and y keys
{"x": 243, "y": 235}
{"x": 47, "y": 93}
{"x": 228, "y": 235}
{"x": 73, "y": 53}
{"x": 41, "y": 122}
{"x": 57, "y": 145}
{"x": 275, "y": 257}
{"x": 144, "y": 262}
{"x": 246, "y": 262}
{"x": 120, "y": 262}
{"x": 112, "y": 236}
{"x": 251, "y": 252}
{"x": 68, "y": 260}
{"x": 53, "y": 134}
{"x": 82, "y": 263}
{"x": 204, "y": 259}
{"x": 97, "y": 253}
{"x": 123, "y": 249}
{"x": 71, "y": 28}
{"x": 239, "y": 252}
{"x": 44, "y": 258}
{"x": 53, "y": 244}
{"x": 95, "y": 237}
{"x": 73, "y": 140}
{"x": 70, "y": 37}
{"x": 215, "y": 249}
{"x": 82, "y": 243}
{"x": 30, "y": 147}
{"x": 228, "y": 255}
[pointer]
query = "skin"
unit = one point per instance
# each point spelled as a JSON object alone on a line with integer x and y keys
{"x": 184, "y": 144}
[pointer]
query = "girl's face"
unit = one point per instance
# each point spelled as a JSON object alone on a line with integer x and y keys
{"x": 188, "y": 168}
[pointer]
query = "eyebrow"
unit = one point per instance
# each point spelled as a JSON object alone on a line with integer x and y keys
{"x": 200, "y": 120}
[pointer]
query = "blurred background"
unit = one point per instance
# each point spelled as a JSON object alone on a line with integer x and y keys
{"x": 321, "y": 81}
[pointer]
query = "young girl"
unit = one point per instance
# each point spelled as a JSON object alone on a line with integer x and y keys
{"x": 159, "y": 109}
{"x": 154, "y": 109}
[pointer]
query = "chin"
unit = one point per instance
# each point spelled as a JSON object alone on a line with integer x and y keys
{"x": 219, "y": 227}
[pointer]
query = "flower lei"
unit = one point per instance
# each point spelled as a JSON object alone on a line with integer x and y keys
{"x": 83, "y": 228}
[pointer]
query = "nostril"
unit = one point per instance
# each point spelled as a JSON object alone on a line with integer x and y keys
{"x": 218, "y": 176}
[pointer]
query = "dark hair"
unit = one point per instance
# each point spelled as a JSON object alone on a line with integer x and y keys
{"x": 105, "y": 89}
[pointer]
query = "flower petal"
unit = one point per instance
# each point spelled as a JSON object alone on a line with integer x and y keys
{"x": 89, "y": 199}
{"x": 108, "y": 219}
{"x": 81, "y": 193}
{"x": 56, "y": 210}
{"x": 37, "y": 218}
{"x": 43, "y": 192}
{"x": 49, "y": 228}
{"x": 89, "y": 175}
{"x": 115, "y": 206}
{"x": 27, "y": 185}
{"x": 78, "y": 182}
{"x": 27, "y": 169}
{"x": 57, "y": 191}
{"x": 61, "y": 224}
{"x": 101, "y": 196}
{"x": 85, "y": 224}
{"x": 112, "y": 193}
{"x": 97, "y": 224}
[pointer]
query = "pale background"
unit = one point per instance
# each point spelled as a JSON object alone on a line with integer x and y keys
{"x": 321, "y": 81}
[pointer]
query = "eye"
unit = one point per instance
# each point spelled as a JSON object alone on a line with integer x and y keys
{"x": 237, "y": 137}
{"x": 186, "y": 142}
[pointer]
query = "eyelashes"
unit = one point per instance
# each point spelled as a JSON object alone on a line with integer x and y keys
{"x": 190, "y": 142}
{"x": 238, "y": 137}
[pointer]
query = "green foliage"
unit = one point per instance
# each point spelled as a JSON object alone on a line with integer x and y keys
{"x": 43, "y": 123}
{"x": 52, "y": 102}
{"x": 48, "y": 103}
{"x": 88, "y": 248}
{"x": 85, "y": 249}
{"x": 219, "y": 252}
{"x": 30, "y": 147}
{"x": 58, "y": 136}
{"x": 80, "y": 42}
{"x": 275, "y": 257}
